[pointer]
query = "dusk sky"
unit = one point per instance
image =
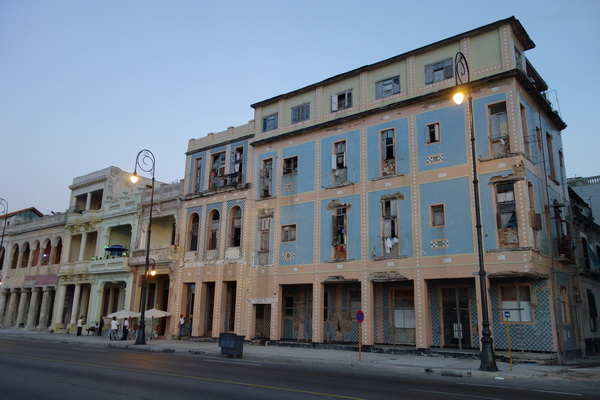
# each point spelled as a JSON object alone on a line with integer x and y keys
{"x": 85, "y": 85}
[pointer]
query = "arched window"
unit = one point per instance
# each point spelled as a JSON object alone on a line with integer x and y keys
{"x": 235, "y": 227}
{"x": 15, "y": 257}
{"x": 193, "y": 233}
{"x": 25, "y": 258}
{"x": 213, "y": 230}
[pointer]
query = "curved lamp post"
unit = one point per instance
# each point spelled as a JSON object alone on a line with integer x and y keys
{"x": 146, "y": 162}
{"x": 462, "y": 81}
{"x": 4, "y": 205}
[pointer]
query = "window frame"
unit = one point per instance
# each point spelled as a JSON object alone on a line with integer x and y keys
{"x": 528, "y": 310}
{"x": 300, "y": 113}
{"x": 437, "y": 133}
{"x": 434, "y": 211}
{"x": 235, "y": 227}
{"x": 341, "y": 100}
{"x": 385, "y": 145}
{"x": 290, "y": 165}
{"x": 439, "y": 71}
{"x": 288, "y": 233}
{"x": 382, "y": 93}
{"x": 270, "y": 122}
{"x": 214, "y": 225}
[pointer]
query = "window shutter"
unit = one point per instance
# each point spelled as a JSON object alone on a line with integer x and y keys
{"x": 428, "y": 74}
{"x": 334, "y": 238}
{"x": 448, "y": 69}
{"x": 306, "y": 112}
{"x": 295, "y": 112}
{"x": 349, "y": 99}
{"x": 396, "y": 85}
{"x": 379, "y": 90}
{"x": 334, "y": 103}
{"x": 333, "y": 161}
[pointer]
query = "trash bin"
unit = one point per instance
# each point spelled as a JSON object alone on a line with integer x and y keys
{"x": 231, "y": 344}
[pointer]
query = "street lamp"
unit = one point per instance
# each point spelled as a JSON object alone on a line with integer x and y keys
{"x": 461, "y": 72}
{"x": 147, "y": 163}
{"x": 4, "y": 205}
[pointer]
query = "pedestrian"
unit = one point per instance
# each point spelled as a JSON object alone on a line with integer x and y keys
{"x": 100, "y": 326}
{"x": 181, "y": 325}
{"x": 114, "y": 327}
{"x": 79, "y": 325}
{"x": 125, "y": 329}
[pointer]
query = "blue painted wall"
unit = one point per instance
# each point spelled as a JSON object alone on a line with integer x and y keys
{"x": 374, "y": 156}
{"x": 303, "y": 248}
{"x": 304, "y": 180}
{"x": 454, "y": 194}
{"x": 353, "y": 158}
{"x": 452, "y": 142}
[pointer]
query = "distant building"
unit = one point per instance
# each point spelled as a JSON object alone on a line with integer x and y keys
{"x": 589, "y": 190}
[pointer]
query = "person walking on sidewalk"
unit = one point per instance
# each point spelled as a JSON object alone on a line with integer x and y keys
{"x": 100, "y": 325}
{"x": 125, "y": 329}
{"x": 181, "y": 325}
{"x": 79, "y": 325}
{"x": 114, "y": 327}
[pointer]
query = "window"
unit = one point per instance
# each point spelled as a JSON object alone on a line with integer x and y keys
{"x": 339, "y": 225}
{"x": 387, "y": 144}
{"x": 193, "y": 234}
{"x": 387, "y": 87}
{"x": 301, "y": 113}
{"x": 198, "y": 175}
{"x": 525, "y": 129}
{"x": 354, "y": 295}
{"x": 238, "y": 157}
{"x": 264, "y": 239}
{"x": 217, "y": 171}
{"x": 437, "y": 215}
{"x": 432, "y": 132}
{"x": 516, "y": 300}
{"x": 551, "y": 165}
{"x": 439, "y": 71}
{"x": 266, "y": 178}
{"x": 499, "y": 129}
{"x": 290, "y": 165}
{"x": 213, "y": 231}
{"x": 341, "y": 100}
{"x": 505, "y": 198}
{"x": 389, "y": 215}
{"x": 518, "y": 59}
{"x": 270, "y": 122}
{"x": 403, "y": 308}
{"x": 235, "y": 235}
{"x": 338, "y": 162}
{"x": 288, "y": 233}
{"x": 593, "y": 310}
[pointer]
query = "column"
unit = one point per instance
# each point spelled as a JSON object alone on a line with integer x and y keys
{"x": 111, "y": 300}
{"x": 31, "y": 316}
{"x": 45, "y": 308}
{"x": 75, "y": 305}
{"x": 59, "y": 307}
{"x": 23, "y": 303}
{"x": 3, "y": 295}
{"x": 85, "y": 301}
{"x": 88, "y": 201}
{"x": 10, "y": 316}
{"x": 82, "y": 247}
{"x": 52, "y": 256}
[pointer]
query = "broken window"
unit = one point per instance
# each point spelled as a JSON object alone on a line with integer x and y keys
{"x": 236, "y": 176}
{"x": 432, "y": 132}
{"x": 338, "y": 162}
{"x": 288, "y": 233}
{"x": 499, "y": 130}
{"x": 213, "y": 231}
{"x": 439, "y": 71}
{"x": 266, "y": 178}
{"x": 270, "y": 122}
{"x": 341, "y": 100}
{"x": 290, "y": 165}
{"x": 264, "y": 240}
{"x": 339, "y": 240}
{"x": 198, "y": 175}
{"x": 507, "y": 215}
{"x": 389, "y": 215}
{"x": 437, "y": 215}
{"x": 387, "y": 87}
{"x": 217, "y": 172}
{"x": 235, "y": 234}
{"x": 388, "y": 144}
{"x": 193, "y": 234}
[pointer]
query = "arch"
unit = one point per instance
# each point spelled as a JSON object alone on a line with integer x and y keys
{"x": 26, "y": 253}
{"x": 14, "y": 256}
{"x": 192, "y": 239}
{"x": 212, "y": 233}
{"x": 46, "y": 249}
{"x": 235, "y": 227}
{"x": 58, "y": 253}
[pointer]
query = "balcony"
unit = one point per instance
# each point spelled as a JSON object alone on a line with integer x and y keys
{"x": 161, "y": 255}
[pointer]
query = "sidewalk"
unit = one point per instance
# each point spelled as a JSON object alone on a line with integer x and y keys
{"x": 456, "y": 367}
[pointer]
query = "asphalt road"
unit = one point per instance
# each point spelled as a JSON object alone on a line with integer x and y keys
{"x": 41, "y": 370}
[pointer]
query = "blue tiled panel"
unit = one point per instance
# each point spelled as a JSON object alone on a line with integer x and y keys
{"x": 302, "y": 215}
{"x": 536, "y": 336}
{"x": 454, "y": 194}
{"x": 374, "y": 155}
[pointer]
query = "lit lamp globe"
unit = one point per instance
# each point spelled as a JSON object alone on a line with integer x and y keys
{"x": 134, "y": 178}
{"x": 458, "y": 98}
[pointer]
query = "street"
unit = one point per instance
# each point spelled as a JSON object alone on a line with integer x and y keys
{"x": 42, "y": 370}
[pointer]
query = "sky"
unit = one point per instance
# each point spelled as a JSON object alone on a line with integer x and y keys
{"x": 85, "y": 85}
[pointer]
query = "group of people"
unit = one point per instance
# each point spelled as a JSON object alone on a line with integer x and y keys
{"x": 114, "y": 328}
